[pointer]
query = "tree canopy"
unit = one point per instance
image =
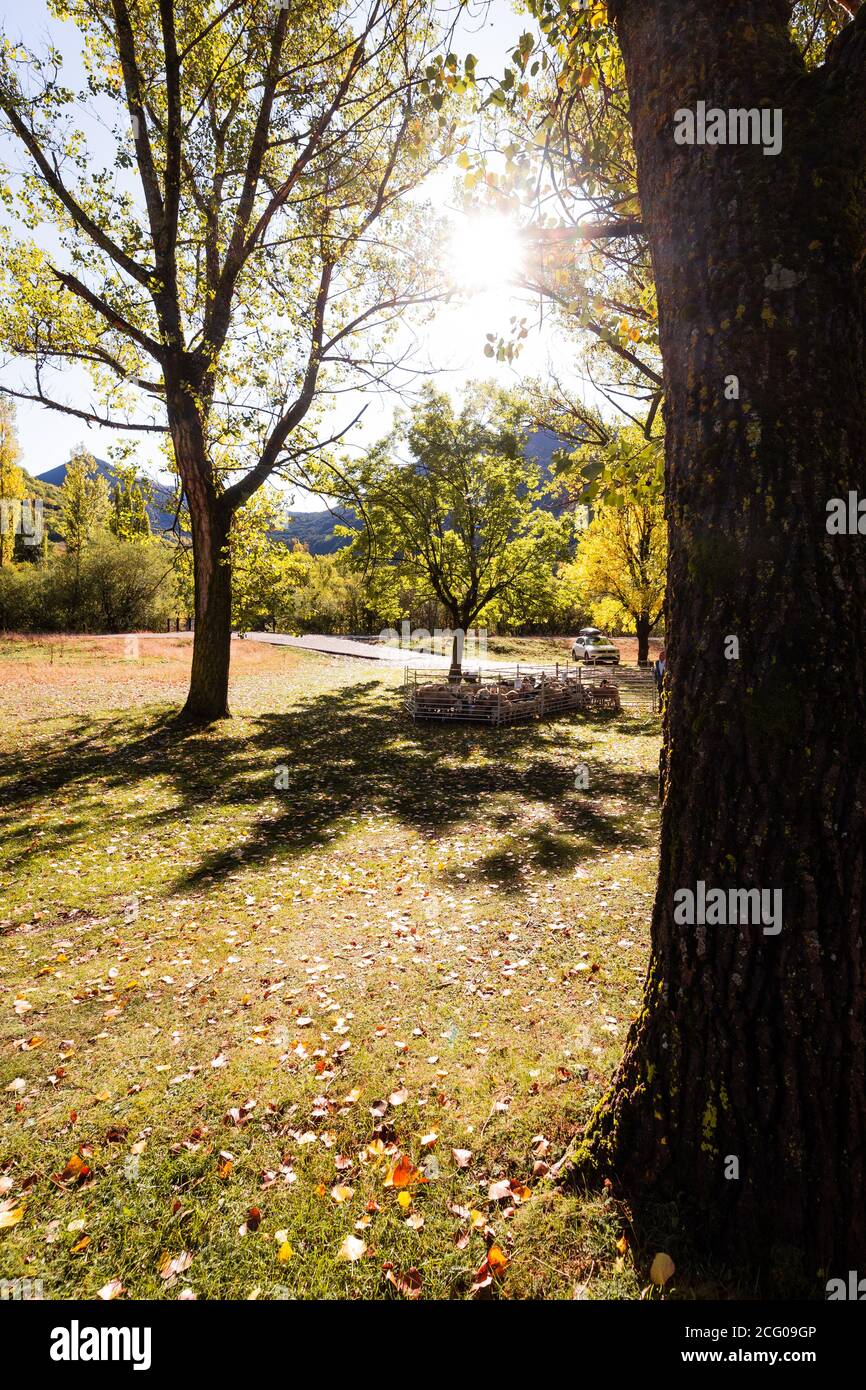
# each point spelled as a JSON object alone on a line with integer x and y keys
{"x": 451, "y": 500}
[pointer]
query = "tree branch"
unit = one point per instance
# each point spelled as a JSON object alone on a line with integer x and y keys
{"x": 111, "y": 316}
{"x": 76, "y": 211}
{"x": 239, "y": 492}
{"x": 586, "y": 231}
{"x": 89, "y": 416}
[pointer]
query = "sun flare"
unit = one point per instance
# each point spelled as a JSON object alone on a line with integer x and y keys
{"x": 485, "y": 253}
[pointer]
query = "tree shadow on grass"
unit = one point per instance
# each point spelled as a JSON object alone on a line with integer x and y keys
{"x": 304, "y": 774}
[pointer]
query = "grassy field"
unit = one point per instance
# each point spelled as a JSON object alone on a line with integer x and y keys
{"x": 306, "y": 1005}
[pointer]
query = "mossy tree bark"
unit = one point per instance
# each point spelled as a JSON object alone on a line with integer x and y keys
{"x": 751, "y": 1045}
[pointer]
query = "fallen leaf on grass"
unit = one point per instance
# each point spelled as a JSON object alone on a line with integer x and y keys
{"x": 404, "y": 1173}
{"x": 662, "y": 1269}
{"x": 408, "y": 1283}
{"x": 113, "y": 1289}
{"x": 462, "y": 1157}
{"x": 252, "y": 1223}
{"x": 225, "y": 1165}
{"x": 173, "y": 1265}
{"x": 352, "y": 1249}
{"x": 508, "y": 1188}
{"x": 75, "y": 1170}
{"x": 493, "y": 1267}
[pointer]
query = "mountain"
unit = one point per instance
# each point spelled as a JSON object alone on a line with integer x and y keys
{"x": 160, "y": 511}
{"x": 315, "y": 530}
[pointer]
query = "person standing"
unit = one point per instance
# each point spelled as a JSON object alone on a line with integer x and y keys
{"x": 659, "y": 668}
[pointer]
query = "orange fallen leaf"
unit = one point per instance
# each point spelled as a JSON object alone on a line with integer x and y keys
{"x": 491, "y": 1268}
{"x": 404, "y": 1173}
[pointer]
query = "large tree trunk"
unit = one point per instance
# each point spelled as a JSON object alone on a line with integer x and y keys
{"x": 751, "y": 1045}
{"x": 210, "y": 522}
{"x": 208, "y": 696}
{"x": 642, "y": 630}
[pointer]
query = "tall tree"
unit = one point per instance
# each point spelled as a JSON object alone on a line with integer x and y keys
{"x": 130, "y": 495}
{"x": 12, "y": 485}
{"x": 84, "y": 502}
{"x": 742, "y": 1084}
{"x": 450, "y": 500}
{"x": 85, "y": 509}
{"x": 622, "y": 556}
{"x": 237, "y": 253}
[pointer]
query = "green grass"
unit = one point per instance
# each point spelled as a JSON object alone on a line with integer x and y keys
{"x": 428, "y": 910}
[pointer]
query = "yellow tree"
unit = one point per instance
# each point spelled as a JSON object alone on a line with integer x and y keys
{"x": 12, "y": 485}
{"x": 623, "y": 557}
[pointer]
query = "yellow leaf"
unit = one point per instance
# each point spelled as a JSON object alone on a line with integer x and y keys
{"x": 11, "y": 1218}
{"x": 285, "y": 1252}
